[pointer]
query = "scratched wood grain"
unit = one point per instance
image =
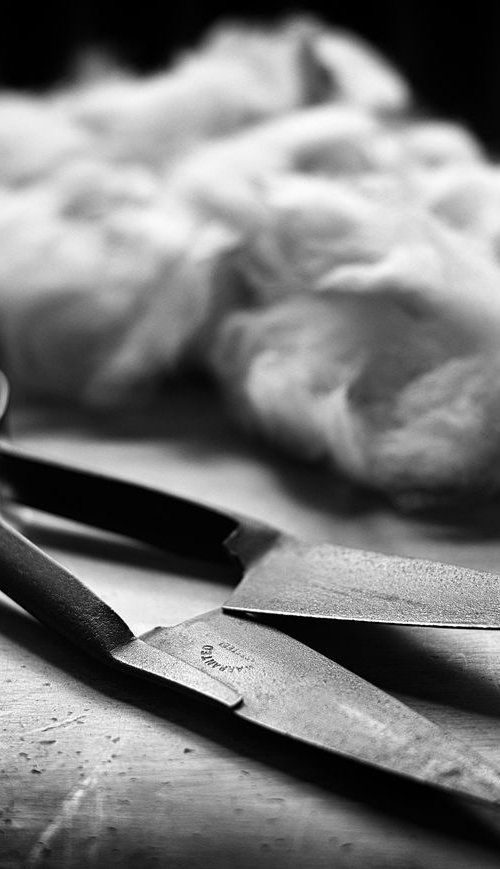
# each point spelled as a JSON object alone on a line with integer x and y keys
{"x": 100, "y": 770}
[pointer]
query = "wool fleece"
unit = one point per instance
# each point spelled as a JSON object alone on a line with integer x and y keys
{"x": 268, "y": 210}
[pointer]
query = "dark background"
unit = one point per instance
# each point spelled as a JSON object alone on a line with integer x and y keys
{"x": 449, "y": 52}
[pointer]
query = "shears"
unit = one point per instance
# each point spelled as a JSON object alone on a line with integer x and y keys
{"x": 242, "y": 656}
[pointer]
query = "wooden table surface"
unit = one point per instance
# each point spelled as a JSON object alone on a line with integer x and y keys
{"x": 101, "y": 770}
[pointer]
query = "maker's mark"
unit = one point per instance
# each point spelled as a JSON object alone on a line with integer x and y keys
{"x": 226, "y": 658}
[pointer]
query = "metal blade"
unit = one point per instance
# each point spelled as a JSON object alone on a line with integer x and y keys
{"x": 291, "y": 689}
{"x": 285, "y": 576}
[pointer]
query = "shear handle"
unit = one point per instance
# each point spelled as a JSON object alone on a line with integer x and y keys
{"x": 56, "y": 597}
{"x": 163, "y": 520}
